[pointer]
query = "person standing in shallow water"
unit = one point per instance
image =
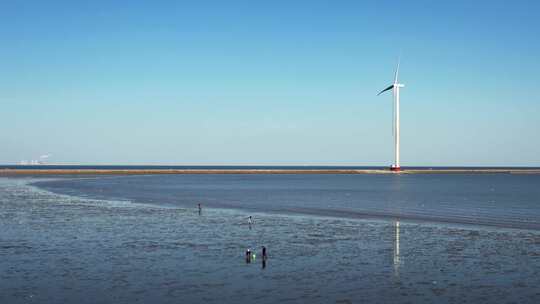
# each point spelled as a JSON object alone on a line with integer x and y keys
{"x": 263, "y": 257}
{"x": 200, "y": 208}
{"x": 248, "y": 256}
{"x": 250, "y": 221}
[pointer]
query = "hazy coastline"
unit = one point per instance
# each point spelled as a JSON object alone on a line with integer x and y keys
{"x": 91, "y": 171}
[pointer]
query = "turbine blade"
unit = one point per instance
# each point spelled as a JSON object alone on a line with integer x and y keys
{"x": 390, "y": 87}
{"x": 397, "y": 70}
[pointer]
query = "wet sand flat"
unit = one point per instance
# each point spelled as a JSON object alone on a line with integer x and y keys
{"x": 59, "y": 248}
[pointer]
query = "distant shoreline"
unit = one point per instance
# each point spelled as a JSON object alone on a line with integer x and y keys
{"x": 16, "y": 172}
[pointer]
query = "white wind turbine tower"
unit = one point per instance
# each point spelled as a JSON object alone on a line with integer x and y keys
{"x": 395, "y": 90}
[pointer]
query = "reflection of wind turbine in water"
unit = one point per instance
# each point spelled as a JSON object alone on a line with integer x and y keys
{"x": 397, "y": 260}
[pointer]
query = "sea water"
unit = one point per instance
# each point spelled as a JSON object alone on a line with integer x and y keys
{"x": 330, "y": 239}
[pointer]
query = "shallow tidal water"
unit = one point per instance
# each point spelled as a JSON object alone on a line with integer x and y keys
{"x": 103, "y": 246}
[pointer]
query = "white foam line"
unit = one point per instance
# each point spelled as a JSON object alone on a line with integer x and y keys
{"x": 26, "y": 184}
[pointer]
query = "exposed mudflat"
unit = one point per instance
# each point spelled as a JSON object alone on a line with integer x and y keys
{"x": 63, "y": 248}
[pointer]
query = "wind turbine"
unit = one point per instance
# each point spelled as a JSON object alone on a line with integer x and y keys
{"x": 395, "y": 91}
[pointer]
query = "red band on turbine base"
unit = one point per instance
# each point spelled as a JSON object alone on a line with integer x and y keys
{"x": 395, "y": 168}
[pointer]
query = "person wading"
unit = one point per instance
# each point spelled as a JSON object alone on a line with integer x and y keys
{"x": 248, "y": 256}
{"x": 263, "y": 257}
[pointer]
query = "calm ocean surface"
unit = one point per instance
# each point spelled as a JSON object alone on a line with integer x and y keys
{"x": 495, "y": 199}
{"x": 330, "y": 239}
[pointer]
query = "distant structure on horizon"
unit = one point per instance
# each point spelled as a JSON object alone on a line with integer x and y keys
{"x": 395, "y": 119}
{"x": 40, "y": 161}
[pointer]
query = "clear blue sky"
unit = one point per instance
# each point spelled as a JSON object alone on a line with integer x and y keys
{"x": 279, "y": 82}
